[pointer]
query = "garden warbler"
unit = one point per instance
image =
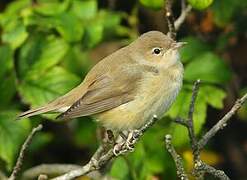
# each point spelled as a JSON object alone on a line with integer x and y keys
{"x": 124, "y": 90}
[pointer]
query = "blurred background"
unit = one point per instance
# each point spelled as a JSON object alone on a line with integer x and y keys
{"x": 47, "y": 47}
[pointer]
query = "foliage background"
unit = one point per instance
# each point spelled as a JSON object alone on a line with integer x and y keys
{"x": 47, "y": 47}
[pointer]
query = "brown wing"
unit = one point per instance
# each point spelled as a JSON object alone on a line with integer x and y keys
{"x": 106, "y": 92}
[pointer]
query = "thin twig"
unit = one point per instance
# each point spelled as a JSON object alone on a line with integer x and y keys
{"x": 101, "y": 158}
{"x": 190, "y": 115}
{"x": 170, "y": 19}
{"x": 174, "y": 25}
{"x": 77, "y": 172}
{"x": 193, "y": 99}
{"x": 48, "y": 169}
{"x": 222, "y": 123}
{"x": 211, "y": 170}
{"x": 181, "y": 121}
{"x": 177, "y": 158}
{"x": 144, "y": 128}
{"x": 21, "y": 156}
{"x": 181, "y": 18}
{"x": 189, "y": 122}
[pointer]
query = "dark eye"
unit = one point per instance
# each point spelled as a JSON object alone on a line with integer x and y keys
{"x": 157, "y": 51}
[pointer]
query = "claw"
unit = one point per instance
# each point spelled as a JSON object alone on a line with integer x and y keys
{"x": 118, "y": 149}
{"x": 128, "y": 144}
{"x": 129, "y": 147}
{"x": 133, "y": 137}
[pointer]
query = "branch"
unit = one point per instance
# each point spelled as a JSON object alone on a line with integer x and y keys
{"x": 170, "y": 19}
{"x": 174, "y": 25}
{"x": 211, "y": 170}
{"x": 182, "y": 17}
{"x": 200, "y": 168}
{"x": 222, "y": 123}
{"x": 177, "y": 158}
{"x": 190, "y": 114}
{"x": 21, "y": 156}
{"x": 102, "y": 157}
{"x": 48, "y": 169}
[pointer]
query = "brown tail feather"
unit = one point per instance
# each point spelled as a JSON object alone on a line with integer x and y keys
{"x": 62, "y": 102}
{"x": 34, "y": 112}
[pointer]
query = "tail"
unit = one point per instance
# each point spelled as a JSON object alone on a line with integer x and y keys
{"x": 60, "y": 104}
{"x": 34, "y": 112}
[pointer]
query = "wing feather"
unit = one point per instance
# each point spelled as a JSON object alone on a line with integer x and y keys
{"x": 105, "y": 93}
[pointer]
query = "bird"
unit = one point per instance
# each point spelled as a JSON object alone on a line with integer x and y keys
{"x": 125, "y": 89}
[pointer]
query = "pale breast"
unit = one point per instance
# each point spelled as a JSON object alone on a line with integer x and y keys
{"x": 155, "y": 95}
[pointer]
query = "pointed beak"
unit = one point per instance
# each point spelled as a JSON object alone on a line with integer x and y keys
{"x": 178, "y": 45}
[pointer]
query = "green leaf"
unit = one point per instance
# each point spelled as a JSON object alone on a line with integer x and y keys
{"x": 15, "y": 7}
{"x": 66, "y": 24}
{"x": 69, "y": 27}
{"x": 180, "y": 109}
{"x": 213, "y": 95}
{"x": 41, "y": 53}
{"x": 209, "y": 68}
{"x": 12, "y": 135}
{"x": 103, "y": 26}
{"x": 119, "y": 169}
{"x": 51, "y": 8}
{"x": 7, "y": 77}
{"x": 200, "y": 4}
{"x": 83, "y": 130}
{"x": 86, "y": 9}
{"x": 137, "y": 157}
{"x": 41, "y": 140}
{"x": 7, "y": 89}
{"x": 94, "y": 34}
{"x": 151, "y": 158}
{"x": 14, "y": 33}
{"x": 180, "y": 136}
{"x": 42, "y": 88}
{"x": 81, "y": 61}
{"x": 6, "y": 60}
{"x": 153, "y": 4}
{"x": 109, "y": 20}
{"x": 225, "y": 10}
{"x": 200, "y": 112}
{"x": 192, "y": 49}
{"x": 181, "y": 105}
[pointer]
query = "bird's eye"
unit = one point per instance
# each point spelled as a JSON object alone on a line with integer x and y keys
{"x": 156, "y": 51}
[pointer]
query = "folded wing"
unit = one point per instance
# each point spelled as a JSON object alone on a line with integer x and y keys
{"x": 106, "y": 92}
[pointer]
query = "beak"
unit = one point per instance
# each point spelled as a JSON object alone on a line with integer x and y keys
{"x": 178, "y": 45}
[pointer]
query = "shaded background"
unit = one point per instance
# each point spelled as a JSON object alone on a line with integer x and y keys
{"x": 47, "y": 47}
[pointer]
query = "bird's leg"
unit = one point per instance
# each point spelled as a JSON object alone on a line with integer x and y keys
{"x": 120, "y": 142}
{"x": 133, "y": 136}
{"x": 123, "y": 135}
{"x": 119, "y": 149}
{"x": 107, "y": 140}
{"x": 110, "y": 136}
{"x": 127, "y": 143}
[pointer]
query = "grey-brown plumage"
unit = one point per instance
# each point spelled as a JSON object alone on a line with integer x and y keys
{"x": 124, "y": 79}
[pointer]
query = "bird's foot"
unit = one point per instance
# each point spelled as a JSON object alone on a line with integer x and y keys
{"x": 128, "y": 144}
{"x": 119, "y": 149}
{"x": 132, "y": 138}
